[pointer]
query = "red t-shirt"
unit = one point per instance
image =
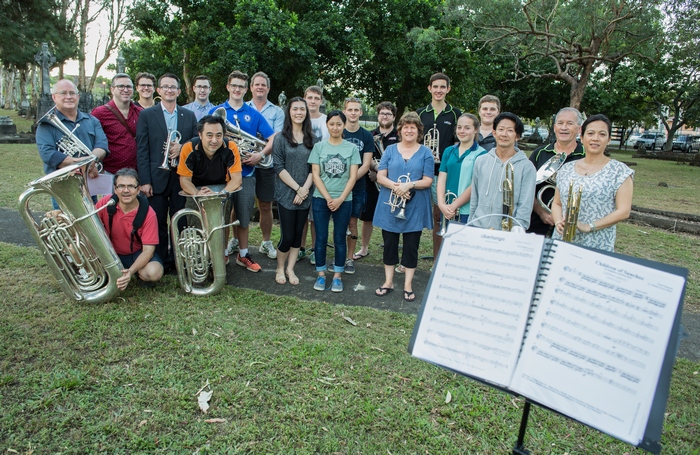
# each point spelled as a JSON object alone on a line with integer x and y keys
{"x": 122, "y": 140}
{"x": 123, "y": 224}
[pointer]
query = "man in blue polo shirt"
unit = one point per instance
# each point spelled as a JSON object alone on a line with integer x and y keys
{"x": 252, "y": 122}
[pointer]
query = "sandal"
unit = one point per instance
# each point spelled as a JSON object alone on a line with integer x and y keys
{"x": 280, "y": 278}
{"x": 400, "y": 269}
{"x": 357, "y": 256}
{"x": 409, "y": 296}
{"x": 293, "y": 279}
{"x": 381, "y": 292}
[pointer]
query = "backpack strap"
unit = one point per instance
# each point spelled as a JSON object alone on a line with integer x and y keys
{"x": 139, "y": 219}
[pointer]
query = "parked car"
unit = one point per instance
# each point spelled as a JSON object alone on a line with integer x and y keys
{"x": 684, "y": 143}
{"x": 633, "y": 139}
{"x": 651, "y": 141}
{"x": 544, "y": 133}
{"x": 695, "y": 144}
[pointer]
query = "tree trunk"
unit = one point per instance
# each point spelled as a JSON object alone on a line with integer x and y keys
{"x": 82, "y": 42}
{"x": 9, "y": 88}
{"x": 186, "y": 74}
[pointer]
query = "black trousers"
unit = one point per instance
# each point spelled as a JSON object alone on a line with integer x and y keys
{"x": 409, "y": 255}
{"x": 167, "y": 204}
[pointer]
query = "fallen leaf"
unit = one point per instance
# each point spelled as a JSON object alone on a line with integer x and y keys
{"x": 217, "y": 420}
{"x": 215, "y": 334}
{"x": 448, "y": 398}
{"x": 194, "y": 331}
{"x": 203, "y": 398}
{"x": 376, "y": 348}
{"x": 349, "y": 320}
{"x": 143, "y": 422}
{"x": 324, "y": 429}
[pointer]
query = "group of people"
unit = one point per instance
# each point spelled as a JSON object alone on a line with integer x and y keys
{"x": 433, "y": 166}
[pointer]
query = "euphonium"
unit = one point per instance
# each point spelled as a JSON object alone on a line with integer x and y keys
{"x": 508, "y": 198}
{"x": 449, "y": 199}
{"x": 547, "y": 173}
{"x": 247, "y": 143}
{"x": 432, "y": 141}
{"x": 397, "y": 202}
{"x": 74, "y": 242}
{"x": 69, "y": 144}
{"x": 173, "y": 136}
{"x": 379, "y": 146}
{"x": 573, "y": 205}
{"x": 199, "y": 250}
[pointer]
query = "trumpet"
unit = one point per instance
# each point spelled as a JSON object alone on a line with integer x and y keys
{"x": 174, "y": 136}
{"x": 74, "y": 242}
{"x": 548, "y": 174}
{"x": 69, "y": 144}
{"x": 508, "y": 198}
{"x": 573, "y": 206}
{"x": 449, "y": 199}
{"x": 197, "y": 251}
{"x": 397, "y": 202}
{"x": 432, "y": 141}
{"x": 247, "y": 143}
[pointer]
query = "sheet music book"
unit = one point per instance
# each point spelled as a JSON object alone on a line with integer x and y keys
{"x": 583, "y": 332}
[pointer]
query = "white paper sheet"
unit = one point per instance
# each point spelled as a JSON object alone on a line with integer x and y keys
{"x": 100, "y": 185}
{"x": 597, "y": 342}
{"x": 478, "y": 303}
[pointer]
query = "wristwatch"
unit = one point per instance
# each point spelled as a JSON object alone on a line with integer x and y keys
{"x": 592, "y": 226}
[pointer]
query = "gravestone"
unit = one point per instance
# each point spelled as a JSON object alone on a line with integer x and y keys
{"x": 7, "y": 127}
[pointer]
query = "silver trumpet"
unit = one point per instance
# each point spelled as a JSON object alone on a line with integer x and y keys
{"x": 74, "y": 242}
{"x": 69, "y": 144}
{"x": 199, "y": 251}
{"x": 247, "y": 143}
{"x": 174, "y": 136}
{"x": 432, "y": 141}
{"x": 397, "y": 202}
{"x": 547, "y": 173}
{"x": 449, "y": 199}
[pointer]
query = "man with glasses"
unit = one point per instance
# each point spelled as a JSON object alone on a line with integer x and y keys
{"x": 118, "y": 119}
{"x": 136, "y": 247}
{"x": 85, "y": 127}
{"x": 386, "y": 114}
{"x": 252, "y": 122}
{"x": 145, "y": 86}
{"x": 362, "y": 138}
{"x": 201, "y": 104}
{"x": 153, "y": 141}
{"x": 265, "y": 178}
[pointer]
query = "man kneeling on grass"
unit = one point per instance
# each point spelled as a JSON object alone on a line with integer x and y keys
{"x": 132, "y": 228}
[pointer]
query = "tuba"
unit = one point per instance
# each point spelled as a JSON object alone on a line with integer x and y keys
{"x": 508, "y": 198}
{"x": 173, "y": 136}
{"x": 197, "y": 251}
{"x": 449, "y": 199}
{"x": 547, "y": 173}
{"x": 573, "y": 206}
{"x": 69, "y": 144}
{"x": 432, "y": 141}
{"x": 247, "y": 143}
{"x": 397, "y": 202}
{"x": 74, "y": 242}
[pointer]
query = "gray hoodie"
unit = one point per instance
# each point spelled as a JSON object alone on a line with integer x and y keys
{"x": 487, "y": 189}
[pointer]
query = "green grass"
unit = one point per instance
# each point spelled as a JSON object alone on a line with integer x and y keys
{"x": 289, "y": 376}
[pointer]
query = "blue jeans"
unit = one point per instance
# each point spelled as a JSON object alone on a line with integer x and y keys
{"x": 322, "y": 218}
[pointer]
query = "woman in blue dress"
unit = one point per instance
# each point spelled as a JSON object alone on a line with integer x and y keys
{"x": 405, "y": 174}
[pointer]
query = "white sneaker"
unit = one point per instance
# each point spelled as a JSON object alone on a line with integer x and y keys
{"x": 269, "y": 249}
{"x": 232, "y": 246}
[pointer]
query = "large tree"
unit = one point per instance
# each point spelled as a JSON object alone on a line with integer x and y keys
{"x": 563, "y": 40}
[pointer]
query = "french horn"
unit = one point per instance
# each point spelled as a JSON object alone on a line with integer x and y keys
{"x": 199, "y": 251}
{"x": 247, "y": 143}
{"x": 74, "y": 242}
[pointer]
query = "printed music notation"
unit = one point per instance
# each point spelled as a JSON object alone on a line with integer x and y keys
{"x": 479, "y": 302}
{"x": 596, "y": 338}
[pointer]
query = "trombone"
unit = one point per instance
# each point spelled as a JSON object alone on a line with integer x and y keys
{"x": 508, "y": 198}
{"x": 449, "y": 199}
{"x": 174, "y": 136}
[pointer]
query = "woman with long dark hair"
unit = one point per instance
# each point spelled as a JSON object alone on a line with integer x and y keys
{"x": 290, "y": 151}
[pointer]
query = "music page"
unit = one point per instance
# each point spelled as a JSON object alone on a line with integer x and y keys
{"x": 596, "y": 344}
{"x": 477, "y": 305}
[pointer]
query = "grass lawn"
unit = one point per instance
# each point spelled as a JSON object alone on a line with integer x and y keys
{"x": 288, "y": 376}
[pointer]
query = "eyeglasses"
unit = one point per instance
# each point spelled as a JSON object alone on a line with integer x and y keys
{"x": 64, "y": 94}
{"x": 124, "y": 88}
{"x": 169, "y": 88}
{"x": 201, "y": 87}
{"x": 237, "y": 87}
{"x": 146, "y": 86}
{"x": 386, "y": 114}
{"x": 126, "y": 187}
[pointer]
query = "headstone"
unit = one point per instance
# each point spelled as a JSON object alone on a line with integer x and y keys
{"x": 7, "y": 128}
{"x": 46, "y": 59}
{"x": 121, "y": 63}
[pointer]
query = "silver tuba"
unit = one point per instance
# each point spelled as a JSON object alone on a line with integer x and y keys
{"x": 547, "y": 173}
{"x": 74, "y": 242}
{"x": 199, "y": 251}
{"x": 247, "y": 143}
{"x": 432, "y": 141}
{"x": 69, "y": 144}
{"x": 397, "y": 202}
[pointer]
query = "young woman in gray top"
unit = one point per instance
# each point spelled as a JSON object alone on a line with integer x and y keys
{"x": 290, "y": 152}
